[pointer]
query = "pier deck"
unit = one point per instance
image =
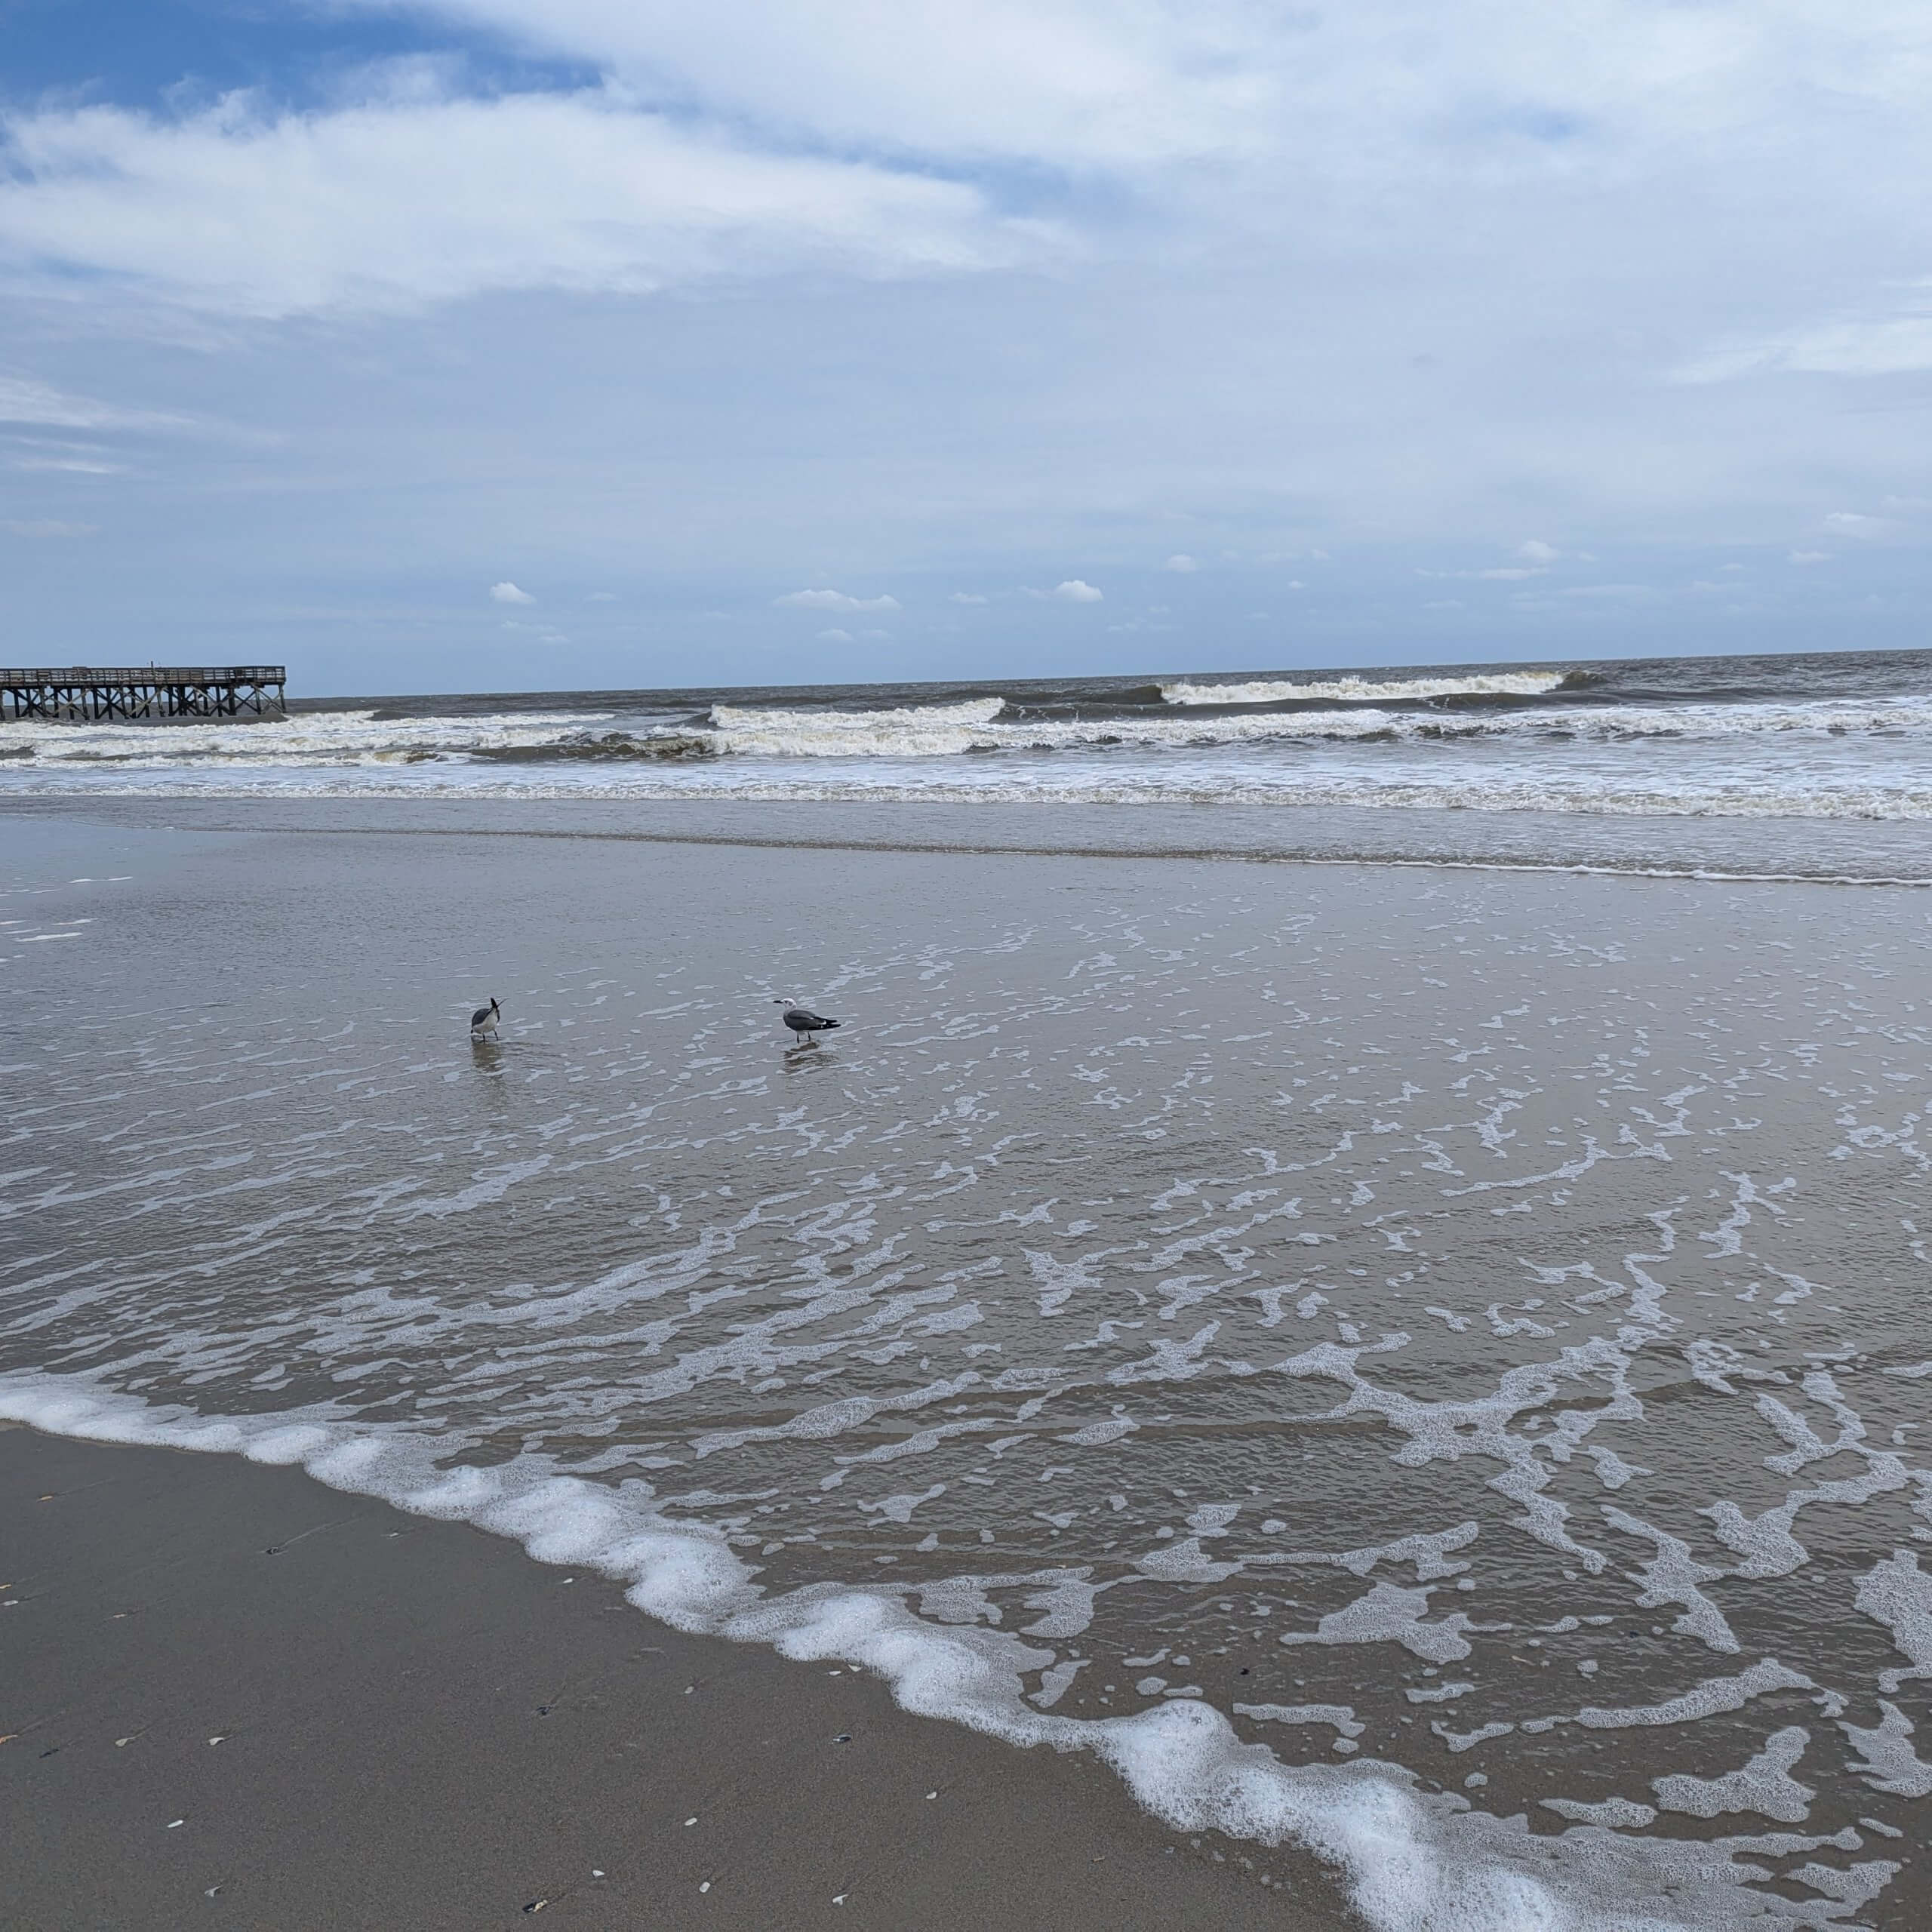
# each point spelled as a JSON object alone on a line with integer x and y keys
{"x": 87, "y": 694}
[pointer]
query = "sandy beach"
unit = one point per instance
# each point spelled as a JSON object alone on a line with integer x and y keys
{"x": 1410, "y": 1372}
{"x": 965, "y": 967}
{"x": 417, "y": 1726}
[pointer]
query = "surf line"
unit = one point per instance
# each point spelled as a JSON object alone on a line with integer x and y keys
{"x": 1579, "y": 869}
{"x": 1407, "y": 1859}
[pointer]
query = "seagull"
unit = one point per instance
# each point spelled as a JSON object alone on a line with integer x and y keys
{"x": 803, "y": 1021}
{"x": 484, "y": 1019}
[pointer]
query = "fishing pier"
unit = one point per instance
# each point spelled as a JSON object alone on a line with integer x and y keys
{"x": 84, "y": 695}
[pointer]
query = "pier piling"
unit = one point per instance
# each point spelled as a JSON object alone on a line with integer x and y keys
{"x": 82, "y": 694}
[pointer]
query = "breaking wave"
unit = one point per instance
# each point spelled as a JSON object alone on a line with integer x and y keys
{"x": 348, "y": 739}
{"x": 924, "y": 730}
{"x": 1843, "y": 738}
{"x": 1356, "y": 689}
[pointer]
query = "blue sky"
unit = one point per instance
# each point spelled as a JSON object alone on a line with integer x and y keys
{"x": 536, "y": 343}
{"x": 155, "y": 54}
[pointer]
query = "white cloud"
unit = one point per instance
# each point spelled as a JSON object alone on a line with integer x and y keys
{"x": 1183, "y": 563}
{"x": 400, "y": 201}
{"x": 1537, "y": 552}
{"x": 601, "y": 597}
{"x": 24, "y": 401}
{"x": 508, "y": 593}
{"x": 1618, "y": 88}
{"x": 49, "y": 527}
{"x": 1849, "y": 523}
{"x": 1810, "y": 557}
{"x": 833, "y": 636}
{"x": 834, "y": 600}
{"x": 1075, "y": 591}
{"x": 1627, "y": 184}
{"x": 965, "y": 597}
{"x": 73, "y": 466}
{"x": 1067, "y": 81}
{"x": 1889, "y": 345}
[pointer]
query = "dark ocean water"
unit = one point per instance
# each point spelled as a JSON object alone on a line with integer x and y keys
{"x": 1842, "y": 737}
{"x": 1568, "y": 685}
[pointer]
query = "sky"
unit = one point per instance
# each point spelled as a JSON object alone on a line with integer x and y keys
{"x": 545, "y": 344}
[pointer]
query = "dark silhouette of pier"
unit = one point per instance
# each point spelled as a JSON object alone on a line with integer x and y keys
{"x": 85, "y": 694}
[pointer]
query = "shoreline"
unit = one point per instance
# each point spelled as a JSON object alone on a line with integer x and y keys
{"x": 639, "y": 1233}
{"x": 1703, "y": 849}
{"x": 419, "y": 1725}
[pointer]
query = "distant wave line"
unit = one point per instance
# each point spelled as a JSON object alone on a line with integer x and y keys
{"x": 924, "y": 732}
{"x": 1356, "y": 689}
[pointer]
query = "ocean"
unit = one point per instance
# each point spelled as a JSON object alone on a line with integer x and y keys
{"x": 1834, "y": 737}
{"x": 1418, "y": 1357}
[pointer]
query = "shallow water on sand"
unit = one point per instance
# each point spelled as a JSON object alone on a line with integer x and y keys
{"x": 1464, "y": 1324}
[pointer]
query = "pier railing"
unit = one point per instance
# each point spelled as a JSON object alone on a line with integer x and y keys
{"x": 89, "y": 694}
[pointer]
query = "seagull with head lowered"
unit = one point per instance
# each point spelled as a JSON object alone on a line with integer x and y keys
{"x": 803, "y": 1021}
{"x": 484, "y": 1020}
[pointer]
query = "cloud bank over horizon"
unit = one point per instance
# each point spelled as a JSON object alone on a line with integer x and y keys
{"x": 1618, "y": 317}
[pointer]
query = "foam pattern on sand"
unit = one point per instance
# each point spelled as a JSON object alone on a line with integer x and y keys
{"x": 1411, "y": 1863}
{"x": 1206, "y": 1328}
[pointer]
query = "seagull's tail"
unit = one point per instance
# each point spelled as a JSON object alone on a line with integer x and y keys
{"x": 829, "y": 1023}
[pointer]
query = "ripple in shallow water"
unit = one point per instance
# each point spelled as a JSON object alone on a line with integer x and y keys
{"x": 1467, "y": 1328}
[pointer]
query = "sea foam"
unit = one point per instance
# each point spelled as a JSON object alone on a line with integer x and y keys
{"x": 1357, "y": 689}
{"x": 1410, "y": 1862}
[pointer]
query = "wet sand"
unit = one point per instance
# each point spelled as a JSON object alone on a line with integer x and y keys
{"x": 1625, "y": 1169}
{"x": 419, "y": 1727}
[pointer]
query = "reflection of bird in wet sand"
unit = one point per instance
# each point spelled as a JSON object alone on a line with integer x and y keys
{"x": 484, "y": 1020}
{"x": 804, "y": 1022}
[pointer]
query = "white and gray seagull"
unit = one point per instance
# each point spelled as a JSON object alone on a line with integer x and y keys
{"x": 484, "y": 1020}
{"x": 803, "y": 1021}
